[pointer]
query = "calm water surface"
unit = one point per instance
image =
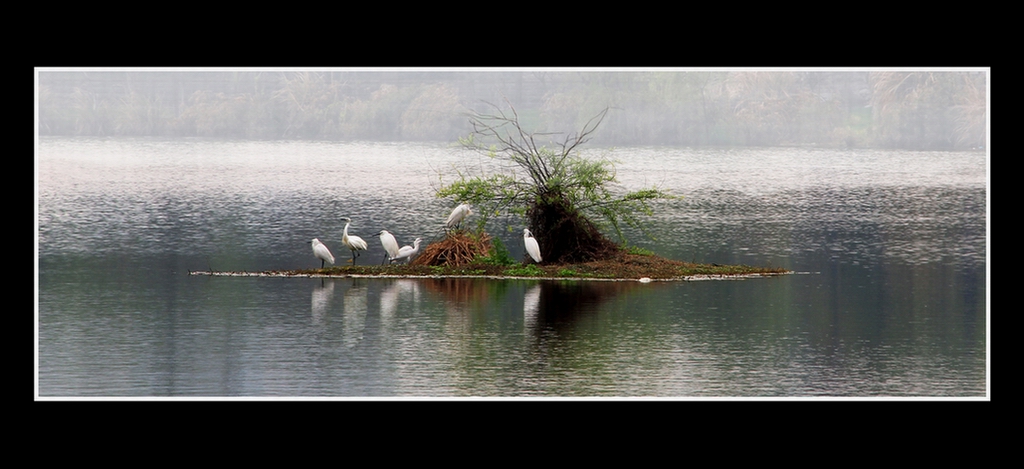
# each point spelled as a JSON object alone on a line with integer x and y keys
{"x": 888, "y": 299}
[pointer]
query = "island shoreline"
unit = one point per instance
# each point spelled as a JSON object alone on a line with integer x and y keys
{"x": 293, "y": 274}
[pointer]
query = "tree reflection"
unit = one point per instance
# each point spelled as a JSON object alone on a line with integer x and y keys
{"x": 563, "y": 302}
{"x": 544, "y": 302}
{"x": 463, "y": 294}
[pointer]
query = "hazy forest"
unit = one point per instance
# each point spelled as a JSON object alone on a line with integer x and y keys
{"x": 927, "y": 110}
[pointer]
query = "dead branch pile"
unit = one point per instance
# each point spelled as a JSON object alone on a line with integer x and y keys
{"x": 456, "y": 249}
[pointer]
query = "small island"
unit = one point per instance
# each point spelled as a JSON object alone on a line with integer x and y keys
{"x": 629, "y": 265}
{"x": 557, "y": 193}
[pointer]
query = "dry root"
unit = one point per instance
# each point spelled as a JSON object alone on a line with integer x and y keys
{"x": 456, "y": 249}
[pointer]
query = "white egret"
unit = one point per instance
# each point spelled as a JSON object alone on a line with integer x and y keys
{"x": 353, "y": 242}
{"x": 408, "y": 252}
{"x": 532, "y": 248}
{"x": 390, "y": 245}
{"x": 455, "y": 219}
{"x": 321, "y": 252}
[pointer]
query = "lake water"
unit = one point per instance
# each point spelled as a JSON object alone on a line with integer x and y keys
{"x": 888, "y": 299}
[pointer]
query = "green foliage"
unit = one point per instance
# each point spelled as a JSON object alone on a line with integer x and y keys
{"x": 637, "y": 251}
{"x": 499, "y": 255}
{"x": 536, "y": 174}
{"x": 529, "y": 270}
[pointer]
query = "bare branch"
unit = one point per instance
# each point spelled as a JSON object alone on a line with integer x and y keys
{"x": 555, "y": 185}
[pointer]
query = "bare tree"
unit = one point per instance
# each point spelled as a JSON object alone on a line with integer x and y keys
{"x": 543, "y": 178}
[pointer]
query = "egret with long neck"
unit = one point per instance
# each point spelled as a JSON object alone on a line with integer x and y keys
{"x": 353, "y": 242}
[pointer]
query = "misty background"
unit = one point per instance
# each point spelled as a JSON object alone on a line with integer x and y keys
{"x": 926, "y": 110}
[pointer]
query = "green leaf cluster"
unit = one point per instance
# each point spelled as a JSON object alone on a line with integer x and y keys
{"x": 499, "y": 255}
{"x": 638, "y": 251}
{"x": 533, "y": 173}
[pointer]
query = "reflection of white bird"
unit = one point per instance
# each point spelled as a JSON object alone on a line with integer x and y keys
{"x": 532, "y": 248}
{"x": 354, "y": 309}
{"x": 389, "y": 301}
{"x": 390, "y": 245}
{"x": 455, "y": 219}
{"x": 531, "y": 305}
{"x": 321, "y": 252}
{"x": 321, "y": 300}
{"x": 353, "y": 242}
{"x": 408, "y": 252}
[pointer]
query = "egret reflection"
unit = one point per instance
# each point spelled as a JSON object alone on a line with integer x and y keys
{"x": 561, "y": 303}
{"x": 543, "y": 301}
{"x": 354, "y": 313}
{"x": 321, "y": 300}
{"x": 531, "y": 304}
{"x": 389, "y": 298}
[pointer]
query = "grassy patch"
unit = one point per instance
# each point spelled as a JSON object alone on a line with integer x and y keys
{"x": 637, "y": 251}
{"x": 498, "y": 255}
{"x": 716, "y": 269}
{"x": 529, "y": 270}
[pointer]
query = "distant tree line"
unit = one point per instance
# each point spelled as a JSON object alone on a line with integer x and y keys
{"x": 886, "y": 109}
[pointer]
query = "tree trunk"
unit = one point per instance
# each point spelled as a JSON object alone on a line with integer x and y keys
{"x": 564, "y": 235}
